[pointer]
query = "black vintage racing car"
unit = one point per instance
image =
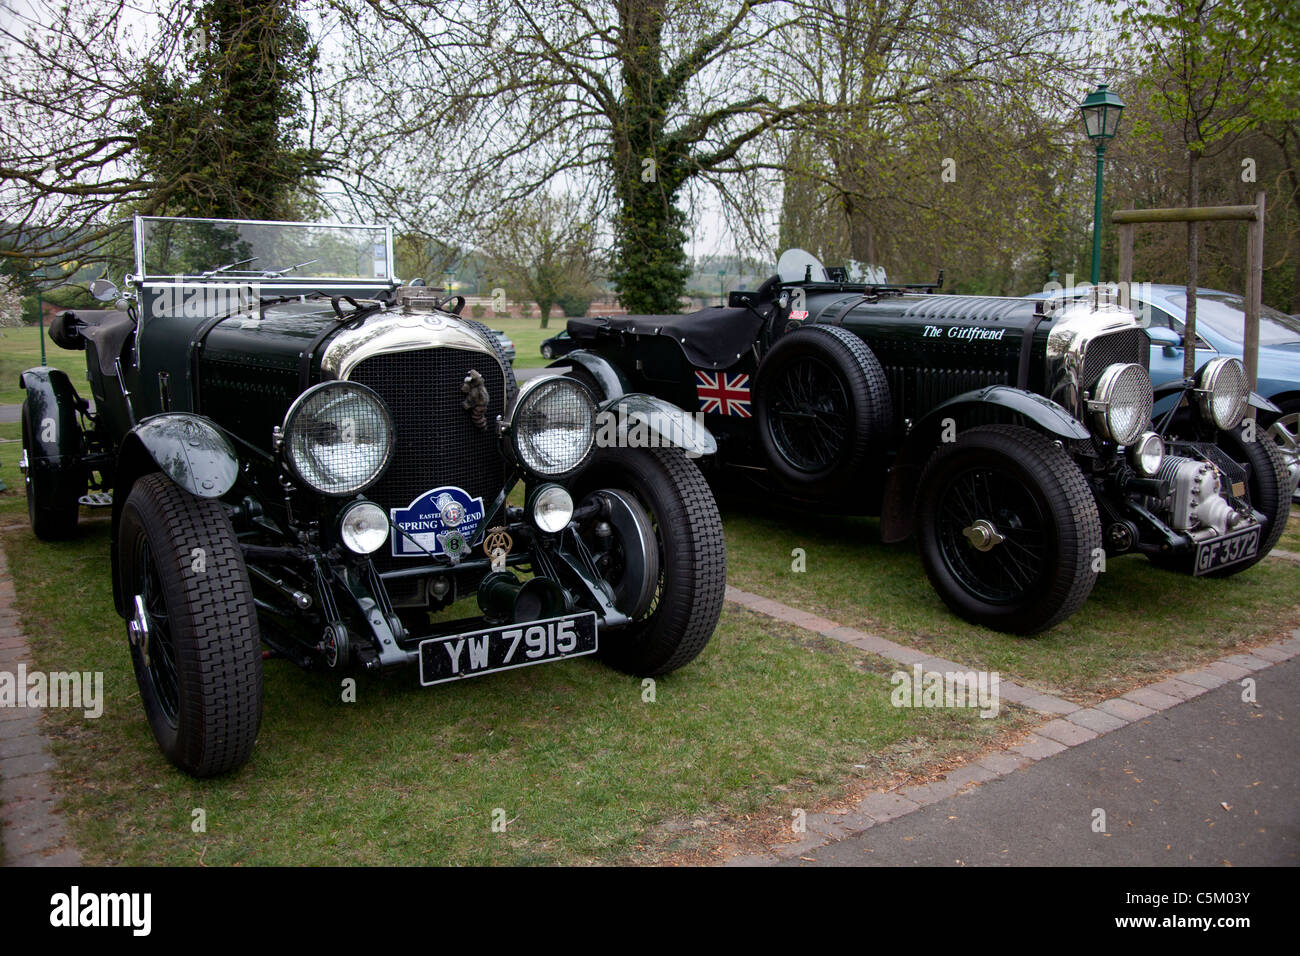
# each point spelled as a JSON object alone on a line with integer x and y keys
{"x": 1013, "y": 437}
{"x": 300, "y": 452}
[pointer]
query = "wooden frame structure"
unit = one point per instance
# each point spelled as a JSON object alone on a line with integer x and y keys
{"x": 1253, "y": 215}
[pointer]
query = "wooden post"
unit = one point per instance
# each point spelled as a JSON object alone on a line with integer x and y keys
{"x": 1125, "y": 259}
{"x": 1254, "y": 291}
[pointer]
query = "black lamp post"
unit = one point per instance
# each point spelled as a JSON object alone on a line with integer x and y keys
{"x": 1100, "y": 109}
{"x": 40, "y": 275}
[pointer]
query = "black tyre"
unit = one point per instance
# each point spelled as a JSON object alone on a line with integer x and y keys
{"x": 1008, "y": 529}
{"x": 53, "y": 503}
{"x": 192, "y": 626}
{"x": 681, "y": 605}
{"x": 1285, "y": 434}
{"x": 1268, "y": 491}
{"x": 820, "y": 402}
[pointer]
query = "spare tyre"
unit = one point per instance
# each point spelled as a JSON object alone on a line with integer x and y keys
{"x": 821, "y": 402}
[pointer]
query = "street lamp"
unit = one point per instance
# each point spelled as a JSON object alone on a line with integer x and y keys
{"x": 1100, "y": 109}
{"x": 40, "y": 275}
{"x": 722, "y": 287}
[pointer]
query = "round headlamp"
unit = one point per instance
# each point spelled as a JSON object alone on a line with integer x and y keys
{"x": 1147, "y": 453}
{"x": 1121, "y": 403}
{"x": 552, "y": 508}
{"x": 338, "y": 438}
{"x": 1223, "y": 392}
{"x": 553, "y": 426}
{"x": 363, "y": 527}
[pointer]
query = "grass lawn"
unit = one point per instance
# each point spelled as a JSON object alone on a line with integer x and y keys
{"x": 527, "y": 334}
{"x": 1139, "y": 621}
{"x": 584, "y": 769}
{"x": 20, "y": 349}
{"x": 767, "y": 719}
{"x": 1290, "y": 540}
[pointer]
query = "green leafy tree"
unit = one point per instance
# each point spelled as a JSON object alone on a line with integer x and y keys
{"x": 220, "y": 137}
{"x": 1220, "y": 69}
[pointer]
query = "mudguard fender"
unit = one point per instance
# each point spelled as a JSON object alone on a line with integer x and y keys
{"x": 611, "y": 380}
{"x": 905, "y": 475}
{"x": 664, "y": 423}
{"x": 189, "y": 450}
{"x": 51, "y": 407}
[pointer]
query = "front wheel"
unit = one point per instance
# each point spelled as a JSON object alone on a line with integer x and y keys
{"x": 192, "y": 626}
{"x": 1008, "y": 529}
{"x": 657, "y": 499}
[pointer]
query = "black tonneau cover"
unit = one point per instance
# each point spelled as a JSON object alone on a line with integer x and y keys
{"x": 710, "y": 338}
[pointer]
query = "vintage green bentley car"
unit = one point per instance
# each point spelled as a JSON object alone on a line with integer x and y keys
{"x": 302, "y": 453}
{"x": 1014, "y": 438}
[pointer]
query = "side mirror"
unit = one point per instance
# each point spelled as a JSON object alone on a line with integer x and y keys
{"x": 1164, "y": 336}
{"x": 103, "y": 290}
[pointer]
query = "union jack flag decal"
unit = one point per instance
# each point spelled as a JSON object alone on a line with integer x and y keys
{"x": 723, "y": 394}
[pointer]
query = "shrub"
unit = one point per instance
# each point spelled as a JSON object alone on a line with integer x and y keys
{"x": 575, "y": 304}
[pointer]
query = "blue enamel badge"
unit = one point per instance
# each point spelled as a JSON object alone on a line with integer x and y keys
{"x": 430, "y": 518}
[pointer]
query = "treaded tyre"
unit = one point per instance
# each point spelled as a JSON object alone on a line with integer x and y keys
{"x": 1285, "y": 434}
{"x": 821, "y": 400}
{"x": 684, "y": 602}
{"x": 53, "y": 500}
{"x": 1268, "y": 491}
{"x": 1008, "y": 528}
{"x": 192, "y": 627}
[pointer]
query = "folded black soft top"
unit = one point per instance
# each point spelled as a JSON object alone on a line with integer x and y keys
{"x": 710, "y": 338}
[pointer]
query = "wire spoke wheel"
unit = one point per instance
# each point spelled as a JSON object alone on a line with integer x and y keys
{"x": 150, "y": 630}
{"x": 1008, "y": 529}
{"x": 810, "y": 412}
{"x": 821, "y": 405}
{"x": 1008, "y": 563}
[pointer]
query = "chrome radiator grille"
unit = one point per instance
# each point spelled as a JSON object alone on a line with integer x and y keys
{"x": 437, "y": 443}
{"x": 1128, "y": 345}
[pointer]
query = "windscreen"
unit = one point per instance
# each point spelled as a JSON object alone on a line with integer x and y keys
{"x": 223, "y": 248}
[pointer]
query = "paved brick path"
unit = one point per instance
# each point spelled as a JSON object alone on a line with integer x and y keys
{"x": 1074, "y": 725}
{"x": 30, "y": 826}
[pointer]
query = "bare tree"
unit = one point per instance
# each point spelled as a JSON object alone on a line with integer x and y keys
{"x": 543, "y": 249}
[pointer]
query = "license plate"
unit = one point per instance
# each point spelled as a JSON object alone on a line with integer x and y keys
{"x": 444, "y": 659}
{"x": 1230, "y": 549}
